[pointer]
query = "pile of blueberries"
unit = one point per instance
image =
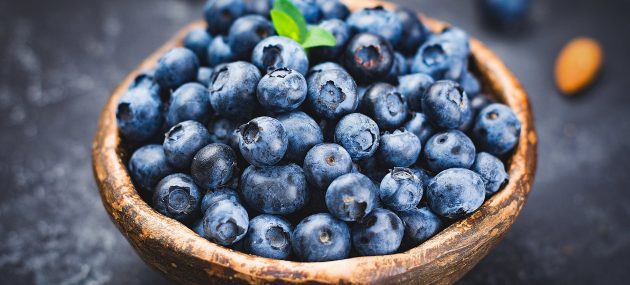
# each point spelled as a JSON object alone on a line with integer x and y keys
{"x": 368, "y": 147}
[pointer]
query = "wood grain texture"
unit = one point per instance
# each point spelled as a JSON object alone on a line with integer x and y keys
{"x": 186, "y": 258}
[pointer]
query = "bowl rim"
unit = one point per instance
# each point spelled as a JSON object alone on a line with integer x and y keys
{"x": 453, "y": 251}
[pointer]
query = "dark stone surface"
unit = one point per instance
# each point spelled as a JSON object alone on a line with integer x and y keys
{"x": 59, "y": 61}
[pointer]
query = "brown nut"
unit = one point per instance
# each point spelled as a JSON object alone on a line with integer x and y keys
{"x": 578, "y": 64}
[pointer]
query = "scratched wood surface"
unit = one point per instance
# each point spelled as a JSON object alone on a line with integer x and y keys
{"x": 186, "y": 258}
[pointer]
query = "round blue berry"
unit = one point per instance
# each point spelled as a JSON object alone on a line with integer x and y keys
{"x": 400, "y": 148}
{"x": 333, "y": 9}
{"x": 413, "y": 87}
{"x": 302, "y": 134}
{"x": 358, "y": 134}
{"x": 491, "y": 170}
{"x": 446, "y": 105}
{"x": 220, "y": 14}
{"x": 497, "y": 129}
{"x": 420, "y": 224}
{"x": 138, "y": 114}
{"x": 198, "y": 40}
{"x": 147, "y": 166}
{"x": 378, "y": 21}
{"x": 309, "y": 9}
{"x": 386, "y": 105}
{"x": 176, "y": 67}
{"x": 274, "y": 189}
{"x": 191, "y": 101}
{"x": 246, "y": 33}
{"x": 282, "y": 90}
{"x": 324, "y": 163}
{"x": 368, "y": 57}
{"x": 233, "y": 90}
{"x": 340, "y": 30}
{"x": 321, "y": 237}
{"x": 276, "y": 52}
{"x": 450, "y": 149}
{"x": 263, "y": 141}
{"x": 214, "y": 166}
{"x": 379, "y": 233}
{"x": 414, "y": 33}
{"x": 419, "y": 125}
{"x": 455, "y": 193}
{"x": 332, "y": 94}
{"x": 183, "y": 141}
{"x": 177, "y": 197}
{"x": 217, "y": 195}
{"x": 351, "y": 196}
{"x": 400, "y": 189}
{"x": 269, "y": 236}
{"x": 219, "y": 51}
{"x": 225, "y": 222}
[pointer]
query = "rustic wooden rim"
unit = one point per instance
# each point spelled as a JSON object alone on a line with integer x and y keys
{"x": 136, "y": 219}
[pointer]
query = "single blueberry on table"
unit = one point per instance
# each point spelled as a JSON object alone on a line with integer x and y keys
{"x": 274, "y": 189}
{"x": 324, "y": 163}
{"x": 358, "y": 134}
{"x": 419, "y": 125}
{"x": 401, "y": 189}
{"x": 276, "y": 52}
{"x": 351, "y": 197}
{"x": 400, "y": 148}
{"x": 379, "y": 233}
{"x": 386, "y": 105}
{"x": 219, "y": 51}
{"x": 191, "y": 101}
{"x": 332, "y": 94}
{"x": 225, "y": 222}
{"x": 497, "y": 129}
{"x": 492, "y": 172}
{"x": 470, "y": 84}
{"x": 340, "y": 30}
{"x": 233, "y": 90}
{"x": 413, "y": 87}
{"x": 309, "y": 9}
{"x": 446, "y": 105}
{"x": 138, "y": 114}
{"x": 269, "y": 236}
{"x": 246, "y": 33}
{"x": 214, "y": 166}
{"x": 379, "y": 21}
{"x": 176, "y": 67}
{"x": 147, "y": 166}
{"x": 221, "y": 130}
{"x": 282, "y": 90}
{"x": 414, "y": 33}
{"x": 217, "y": 195}
{"x": 333, "y": 9}
{"x": 505, "y": 13}
{"x": 177, "y": 197}
{"x": 220, "y": 14}
{"x": 263, "y": 141}
{"x": 420, "y": 224}
{"x": 368, "y": 57}
{"x": 302, "y": 134}
{"x": 450, "y": 149}
{"x": 203, "y": 76}
{"x": 455, "y": 193}
{"x": 183, "y": 141}
{"x": 321, "y": 237}
{"x": 198, "y": 40}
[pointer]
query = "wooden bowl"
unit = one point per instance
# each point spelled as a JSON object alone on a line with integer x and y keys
{"x": 184, "y": 257}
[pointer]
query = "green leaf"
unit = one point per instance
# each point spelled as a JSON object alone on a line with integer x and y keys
{"x": 292, "y": 11}
{"x": 317, "y": 37}
{"x": 285, "y": 26}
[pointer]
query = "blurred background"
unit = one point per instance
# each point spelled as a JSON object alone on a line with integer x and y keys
{"x": 60, "y": 60}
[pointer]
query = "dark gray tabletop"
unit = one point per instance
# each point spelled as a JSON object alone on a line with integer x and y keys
{"x": 59, "y": 61}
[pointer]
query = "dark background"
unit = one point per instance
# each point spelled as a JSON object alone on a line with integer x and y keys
{"x": 59, "y": 61}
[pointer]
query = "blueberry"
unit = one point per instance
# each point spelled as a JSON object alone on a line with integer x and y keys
{"x": 325, "y": 162}
{"x": 219, "y": 52}
{"x": 413, "y": 87}
{"x": 470, "y": 84}
{"x": 145, "y": 79}
{"x": 505, "y": 12}
{"x": 302, "y": 134}
{"x": 217, "y": 195}
{"x": 492, "y": 172}
{"x": 446, "y": 105}
{"x": 324, "y": 66}
{"x": 220, "y": 14}
{"x": 358, "y": 134}
{"x": 400, "y": 189}
{"x": 309, "y": 9}
{"x": 269, "y": 236}
{"x": 420, "y": 224}
{"x": 177, "y": 197}
{"x": 449, "y": 149}
{"x": 478, "y": 103}
{"x": 399, "y": 68}
{"x": 203, "y": 76}
{"x": 275, "y": 52}
{"x": 259, "y": 7}
{"x": 198, "y": 40}
{"x": 441, "y": 57}
{"x": 419, "y": 126}
{"x": 221, "y": 130}
{"x": 333, "y": 9}
{"x": 225, "y": 222}
{"x": 332, "y": 94}
{"x": 247, "y": 32}
{"x": 379, "y": 233}
{"x": 368, "y": 57}
{"x": 191, "y": 101}
{"x": 340, "y": 30}
{"x": 456, "y": 41}
{"x": 378, "y": 21}
{"x": 233, "y": 90}
{"x": 424, "y": 176}
{"x": 263, "y": 141}
{"x": 176, "y": 67}
{"x": 352, "y": 196}
{"x": 400, "y": 148}
{"x": 183, "y": 141}
{"x": 321, "y": 237}
{"x": 372, "y": 168}
{"x": 214, "y": 166}
{"x": 497, "y": 129}
{"x": 138, "y": 114}
{"x": 275, "y": 189}
{"x": 414, "y": 33}
{"x": 455, "y": 193}
{"x": 282, "y": 90}
{"x": 386, "y": 105}
{"x": 148, "y": 165}
{"x": 197, "y": 227}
